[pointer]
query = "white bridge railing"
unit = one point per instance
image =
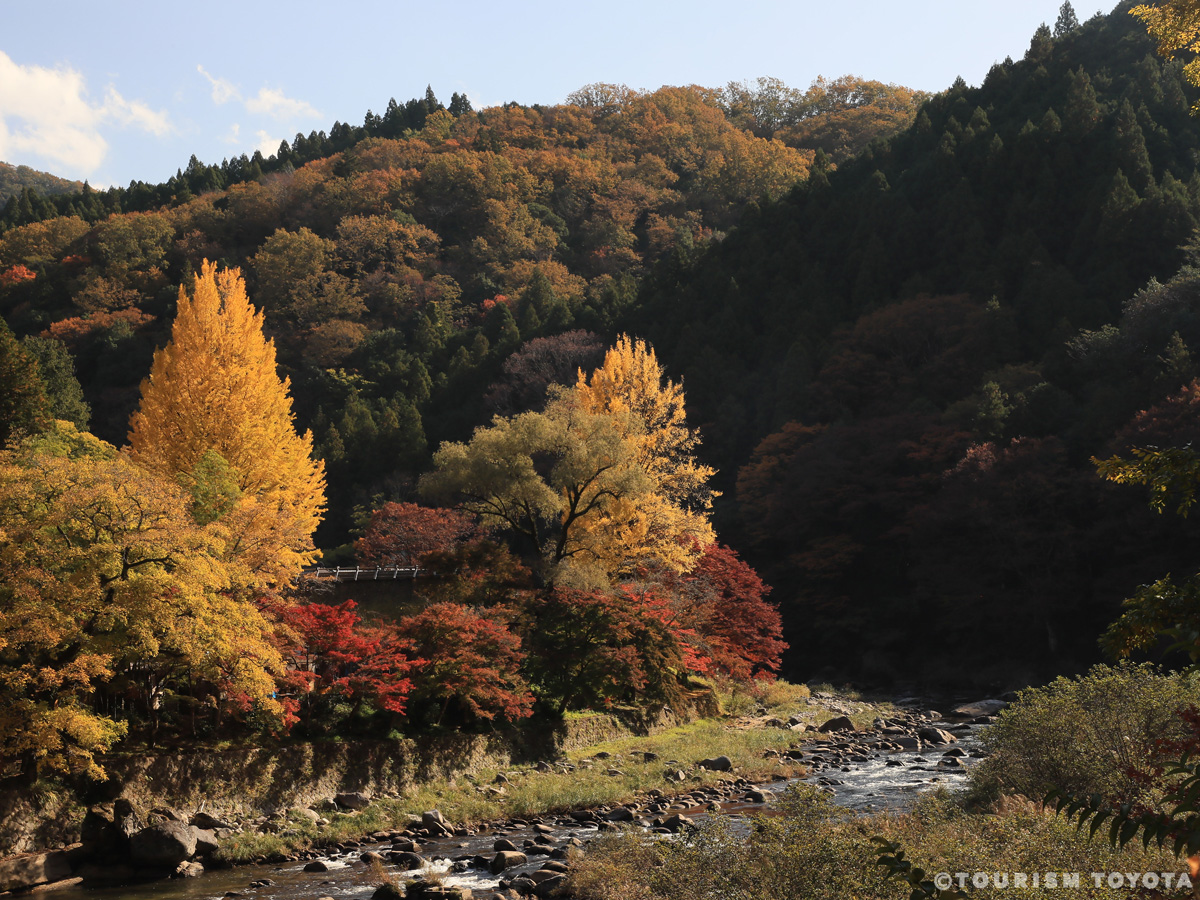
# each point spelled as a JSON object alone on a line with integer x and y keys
{"x": 358, "y": 573}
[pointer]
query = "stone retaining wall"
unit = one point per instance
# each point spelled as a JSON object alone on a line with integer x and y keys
{"x": 243, "y": 781}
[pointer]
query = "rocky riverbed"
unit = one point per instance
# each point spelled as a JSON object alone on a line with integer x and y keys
{"x": 882, "y": 767}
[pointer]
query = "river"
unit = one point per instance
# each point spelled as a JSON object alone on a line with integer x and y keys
{"x": 869, "y": 782}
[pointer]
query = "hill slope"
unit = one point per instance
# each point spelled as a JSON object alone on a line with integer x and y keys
{"x": 904, "y": 366}
{"x": 14, "y": 179}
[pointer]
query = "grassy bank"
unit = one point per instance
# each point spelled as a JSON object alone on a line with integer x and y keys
{"x": 591, "y": 781}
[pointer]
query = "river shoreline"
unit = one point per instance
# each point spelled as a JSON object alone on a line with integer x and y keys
{"x": 765, "y": 753}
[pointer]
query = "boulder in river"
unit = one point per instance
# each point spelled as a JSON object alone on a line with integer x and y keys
{"x": 506, "y": 859}
{"x": 434, "y": 821}
{"x": 165, "y": 844}
{"x": 406, "y": 860}
{"x": 932, "y": 735}
{"x": 979, "y": 708}
{"x": 31, "y": 869}
{"x": 209, "y": 822}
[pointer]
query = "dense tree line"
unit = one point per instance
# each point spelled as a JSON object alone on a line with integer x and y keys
{"x": 402, "y": 264}
{"x": 908, "y": 363}
{"x": 905, "y": 323}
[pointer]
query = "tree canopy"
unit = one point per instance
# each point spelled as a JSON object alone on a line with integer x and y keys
{"x": 214, "y": 388}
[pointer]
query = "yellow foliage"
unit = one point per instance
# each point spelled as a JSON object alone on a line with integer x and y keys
{"x": 215, "y": 387}
{"x": 102, "y": 568}
{"x": 1176, "y": 27}
{"x": 669, "y": 523}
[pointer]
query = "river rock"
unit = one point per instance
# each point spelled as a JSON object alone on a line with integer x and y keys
{"x": 206, "y": 841}
{"x": 503, "y": 844}
{"x": 837, "y": 723}
{"x": 620, "y": 814}
{"x": 757, "y": 796}
{"x": 506, "y": 859}
{"x": 316, "y": 866}
{"x": 550, "y": 887}
{"x": 190, "y": 869}
{"x": 209, "y": 822}
{"x": 979, "y": 708}
{"x": 29, "y": 869}
{"x": 716, "y": 764}
{"x": 165, "y": 844}
{"x": 407, "y": 860}
{"x": 675, "y": 823}
{"x": 101, "y": 836}
{"x": 434, "y": 821}
{"x": 388, "y": 892}
{"x": 352, "y": 800}
{"x": 932, "y": 735}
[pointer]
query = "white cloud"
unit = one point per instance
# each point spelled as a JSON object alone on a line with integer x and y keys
{"x": 267, "y": 144}
{"x": 134, "y": 112}
{"x": 274, "y": 104}
{"x": 46, "y": 113}
{"x": 235, "y": 134}
{"x": 222, "y": 90}
{"x": 267, "y": 102}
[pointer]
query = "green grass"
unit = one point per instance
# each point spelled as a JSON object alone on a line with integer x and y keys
{"x": 465, "y": 800}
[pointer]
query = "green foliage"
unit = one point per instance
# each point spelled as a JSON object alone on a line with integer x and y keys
{"x": 23, "y": 405}
{"x": 893, "y": 859}
{"x": 1093, "y": 734}
{"x": 1178, "y": 827}
{"x": 64, "y": 395}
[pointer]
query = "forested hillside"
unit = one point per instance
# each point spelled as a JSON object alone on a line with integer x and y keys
{"x": 399, "y": 273}
{"x": 909, "y": 362}
{"x": 905, "y": 324}
{"x": 16, "y": 179}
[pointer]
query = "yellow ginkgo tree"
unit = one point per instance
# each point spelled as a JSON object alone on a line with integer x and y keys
{"x": 214, "y": 404}
{"x": 670, "y": 522}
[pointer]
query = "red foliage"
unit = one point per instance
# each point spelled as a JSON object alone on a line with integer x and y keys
{"x": 16, "y": 275}
{"x": 1173, "y": 422}
{"x": 742, "y": 631}
{"x": 334, "y": 653}
{"x": 400, "y": 534}
{"x": 468, "y": 661}
{"x": 540, "y": 363}
{"x": 75, "y": 329}
{"x": 499, "y": 298}
{"x": 481, "y": 573}
{"x": 928, "y": 347}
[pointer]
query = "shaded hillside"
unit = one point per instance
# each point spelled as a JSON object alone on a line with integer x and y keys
{"x": 908, "y": 362}
{"x": 15, "y": 179}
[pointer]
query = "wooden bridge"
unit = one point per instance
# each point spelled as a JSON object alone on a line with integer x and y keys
{"x": 358, "y": 573}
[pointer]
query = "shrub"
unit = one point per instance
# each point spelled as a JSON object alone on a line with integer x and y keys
{"x": 1093, "y": 734}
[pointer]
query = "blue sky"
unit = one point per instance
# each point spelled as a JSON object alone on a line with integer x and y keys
{"x": 127, "y": 90}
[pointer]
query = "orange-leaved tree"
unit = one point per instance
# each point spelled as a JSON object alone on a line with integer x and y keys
{"x": 214, "y": 389}
{"x": 109, "y": 588}
{"x": 670, "y": 522}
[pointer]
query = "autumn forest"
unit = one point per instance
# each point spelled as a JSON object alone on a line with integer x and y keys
{"x": 652, "y": 386}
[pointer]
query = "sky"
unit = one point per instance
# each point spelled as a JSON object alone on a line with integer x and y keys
{"x": 128, "y": 90}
